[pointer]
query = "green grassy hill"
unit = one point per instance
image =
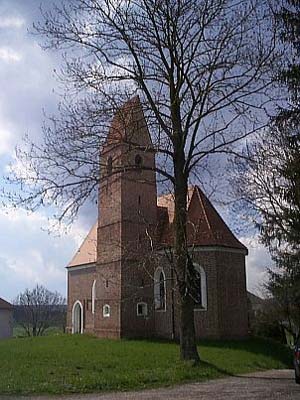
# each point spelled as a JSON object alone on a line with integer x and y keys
{"x": 65, "y": 364}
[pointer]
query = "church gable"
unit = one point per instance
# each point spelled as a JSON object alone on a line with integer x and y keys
{"x": 205, "y": 225}
{"x": 87, "y": 252}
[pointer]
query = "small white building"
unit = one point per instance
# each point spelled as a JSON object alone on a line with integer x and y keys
{"x": 6, "y": 319}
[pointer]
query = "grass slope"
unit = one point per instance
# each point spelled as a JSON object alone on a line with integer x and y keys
{"x": 64, "y": 364}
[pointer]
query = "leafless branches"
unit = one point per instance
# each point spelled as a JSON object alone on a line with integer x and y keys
{"x": 201, "y": 68}
{"x": 38, "y": 309}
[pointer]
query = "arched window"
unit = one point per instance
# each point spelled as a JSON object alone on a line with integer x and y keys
{"x": 109, "y": 165}
{"x": 160, "y": 290}
{"x": 106, "y": 311}
{"x": 199, "y": 289}
{"x": 93, "y": 296}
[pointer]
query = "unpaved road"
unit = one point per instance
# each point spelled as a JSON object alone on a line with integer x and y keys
{"x": 268, "y": 385}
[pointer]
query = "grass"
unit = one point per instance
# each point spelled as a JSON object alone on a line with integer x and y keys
{"x": 67, "y": 364}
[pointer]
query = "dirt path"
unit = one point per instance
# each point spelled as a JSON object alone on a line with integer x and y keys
{"x": 268, "y": 385}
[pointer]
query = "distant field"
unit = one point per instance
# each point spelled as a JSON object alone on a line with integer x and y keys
{"x": 66, "y": 364}
{"x": 19, "y": 332}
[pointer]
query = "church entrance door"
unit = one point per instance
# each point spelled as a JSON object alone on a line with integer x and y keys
{"x": 77, "y": 318}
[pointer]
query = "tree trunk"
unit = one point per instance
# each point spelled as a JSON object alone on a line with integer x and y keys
{"x": 188, "y": 348}
{"x": 34, "y": 332}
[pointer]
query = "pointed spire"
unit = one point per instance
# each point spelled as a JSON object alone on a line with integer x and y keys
{"x": 129, "y": 125}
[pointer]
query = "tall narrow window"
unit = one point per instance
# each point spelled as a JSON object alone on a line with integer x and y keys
{"x": 109, "y": 165}
{"x": 138, "y": 162}
{"x": 140, "y": 238}
{"x": 196, "y": 289}
{"x": 199, "y": 288}
{"x": 93, "y": 296}
{"x": 160, "y": 290}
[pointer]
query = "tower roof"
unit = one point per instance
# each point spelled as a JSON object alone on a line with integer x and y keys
{"x": 129, "y": 125}
{"x": 205, "y": 225}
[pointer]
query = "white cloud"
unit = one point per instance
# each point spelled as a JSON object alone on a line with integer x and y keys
{"x": 29, "y": 255}
{"x": 9, "y": 55}
{"x": 12, "y": 22}
{"x": 257, "y": 263}
{"x": 20, "y": 169}
{"x": 7, "y": 133}
{"x": 5, "y": 141}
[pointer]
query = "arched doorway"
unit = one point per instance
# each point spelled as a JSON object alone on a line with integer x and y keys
{"x": 77, "y": 317}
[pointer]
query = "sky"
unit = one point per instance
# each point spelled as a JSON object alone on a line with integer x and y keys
{"x": 29, "y": 255}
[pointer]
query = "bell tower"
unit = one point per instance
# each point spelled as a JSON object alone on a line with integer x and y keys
{"x": 127, "y": 220}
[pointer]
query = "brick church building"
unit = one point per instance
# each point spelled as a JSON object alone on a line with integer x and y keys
{"x": 121, "y": 282}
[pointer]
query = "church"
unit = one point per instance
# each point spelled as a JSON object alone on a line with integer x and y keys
{"x": 121, "y": 281}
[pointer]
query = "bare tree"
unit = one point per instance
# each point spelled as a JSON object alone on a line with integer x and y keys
{"x": 202, "y": 71}
{"x": 38, "y": 309}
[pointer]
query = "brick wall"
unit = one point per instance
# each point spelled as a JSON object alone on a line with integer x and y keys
{"x": 108, "y": 292}
{"x": 80, "y": 288}
{"x": 226, "y": 314}
{"x": 232, "y": 295}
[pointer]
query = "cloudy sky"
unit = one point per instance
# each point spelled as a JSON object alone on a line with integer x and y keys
{"x": 28, "y": 254}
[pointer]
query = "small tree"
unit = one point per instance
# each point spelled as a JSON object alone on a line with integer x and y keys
{"x": 38, "y": 309}
{"x": 284, "y": 288}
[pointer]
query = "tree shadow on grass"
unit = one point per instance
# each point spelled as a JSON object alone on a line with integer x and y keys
{"x": 257, "y": 346}
{"x": 249, "y": 375}
{"x": 221, "y": 371}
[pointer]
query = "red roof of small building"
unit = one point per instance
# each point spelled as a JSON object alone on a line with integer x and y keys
{"x": 5, "y": 305}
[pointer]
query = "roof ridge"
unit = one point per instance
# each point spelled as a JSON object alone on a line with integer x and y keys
{"x": 203, "y": 208}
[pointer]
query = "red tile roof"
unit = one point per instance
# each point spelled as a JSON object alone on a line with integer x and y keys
{"x": 129, "y": 125}
{"x": 205, "y": 225}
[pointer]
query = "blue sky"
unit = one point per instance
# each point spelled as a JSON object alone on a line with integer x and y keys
{"x": 28, "y": 254}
